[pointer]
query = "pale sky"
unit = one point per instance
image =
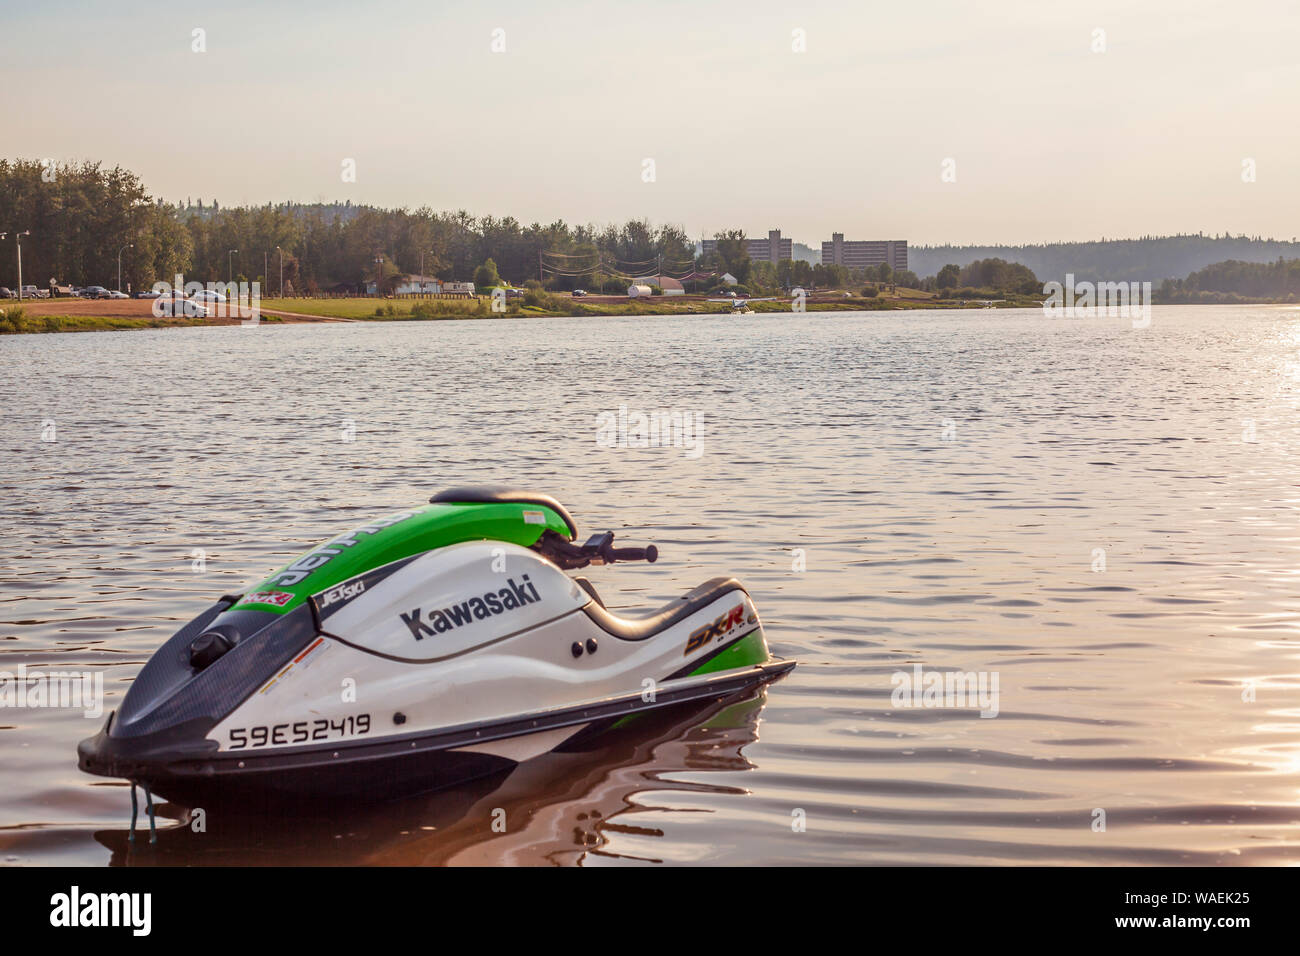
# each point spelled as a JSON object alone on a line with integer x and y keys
{"x": 1050, "y": 139}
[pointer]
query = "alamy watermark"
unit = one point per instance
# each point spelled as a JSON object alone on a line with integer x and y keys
{"x": 1089, "y": 300}
{"x": 241, "y": 300}
{"x": 74, "y": 909}
{"x": 81, "y": 690}
{"x": 663, "y": 428}
{"x": 956, "y": 689}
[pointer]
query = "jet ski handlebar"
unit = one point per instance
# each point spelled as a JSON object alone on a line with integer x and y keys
{"x": 599, "y": 549}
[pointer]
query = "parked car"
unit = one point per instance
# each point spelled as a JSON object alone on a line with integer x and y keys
{"x": 514, "y": 293}
{"x": 94, "y": 292}
{"x": 117, "y": 295}
{"x": 148, "y": 294}
{"x": 7, "y": 293}
{"x": 208, "y": 296}
{"x": 31, "y": 292}
{"x": 579, "y": 293}
{"x": 175, "y": 304}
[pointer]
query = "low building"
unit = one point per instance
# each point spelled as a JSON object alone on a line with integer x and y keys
{"x": 864, "y": 253}
{"x": 411, "y": 285}
{"x": 667, "y": 284}
{"x": 418, "y": 285}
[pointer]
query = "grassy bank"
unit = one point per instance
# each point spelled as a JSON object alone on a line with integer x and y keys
{"x": 78, "y": 315}
{"x": 379, "y": 309}
{"x": 15, "y": 321}
{"x": 561, "y": 306}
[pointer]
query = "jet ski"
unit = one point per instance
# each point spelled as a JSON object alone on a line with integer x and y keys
{"x": 422, "y": 650}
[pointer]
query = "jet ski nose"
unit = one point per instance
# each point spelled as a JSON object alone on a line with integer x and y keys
{"x": 207, "y": 648}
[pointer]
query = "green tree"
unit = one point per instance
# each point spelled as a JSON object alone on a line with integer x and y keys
{"x": 948, "y": 277}
{"x": 485, "y": 276}
{"x": 732, "y": 254}
{"x": 997, "y": 274}
{"x": 785, "y": 273}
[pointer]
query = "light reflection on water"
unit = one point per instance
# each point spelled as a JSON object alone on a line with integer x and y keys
{"x": 1170, "y": 448}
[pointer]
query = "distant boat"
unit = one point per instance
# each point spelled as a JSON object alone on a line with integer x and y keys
{"x": 741, "y": 306}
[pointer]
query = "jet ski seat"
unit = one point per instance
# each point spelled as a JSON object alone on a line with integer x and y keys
{"x": 499, "y": 494}
{"x": 640, "y": 628}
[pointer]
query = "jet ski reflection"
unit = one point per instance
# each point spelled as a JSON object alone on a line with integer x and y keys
{"x": 557, "y": 809}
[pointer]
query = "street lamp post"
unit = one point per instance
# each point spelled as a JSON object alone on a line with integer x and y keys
{"x": 379, "y": 274}
{"x": 281, "y": 251}
{"x": 230, "y": 269}
{"x": 129, "y": 245}
{"x": 18, "y": 237}
{"x": 431, "y": 252}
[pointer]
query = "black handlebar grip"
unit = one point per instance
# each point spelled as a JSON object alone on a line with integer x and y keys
{"x": 649, "y": 553}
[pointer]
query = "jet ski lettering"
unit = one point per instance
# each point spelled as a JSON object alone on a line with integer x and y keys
{"x": 277, "y": 598}
{"x": 342, "y": 592}
{"x": 308, "y": 563}
{"x": 719, "y": 628}
{"x": 441, "y": 620}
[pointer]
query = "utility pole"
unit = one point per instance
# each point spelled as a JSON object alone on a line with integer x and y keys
{"x": 266, "y": 258}
{"x": 230, "y": 269}
{"x": 281, "y": 251}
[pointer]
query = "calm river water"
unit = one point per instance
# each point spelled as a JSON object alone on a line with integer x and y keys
{"x": 1104, "y": 518}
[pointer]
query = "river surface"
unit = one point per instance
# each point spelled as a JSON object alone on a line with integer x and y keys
{"x": 1105, "y": 519}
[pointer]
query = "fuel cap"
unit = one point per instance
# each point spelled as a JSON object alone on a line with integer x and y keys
{"x": 206, "y": 648}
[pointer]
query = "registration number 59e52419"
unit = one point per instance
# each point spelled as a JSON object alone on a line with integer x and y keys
{"x": 299, "y": 732}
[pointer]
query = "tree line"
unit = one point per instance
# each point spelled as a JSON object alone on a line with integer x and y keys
{"x": 85, "y": 218}
{"x": 1147, "y": 259}
{"x": 81, "y": 216}
{"x": 1278, "y": 280}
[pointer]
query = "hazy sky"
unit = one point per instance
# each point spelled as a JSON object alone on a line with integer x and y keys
{"x": 1050, "y": 139}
